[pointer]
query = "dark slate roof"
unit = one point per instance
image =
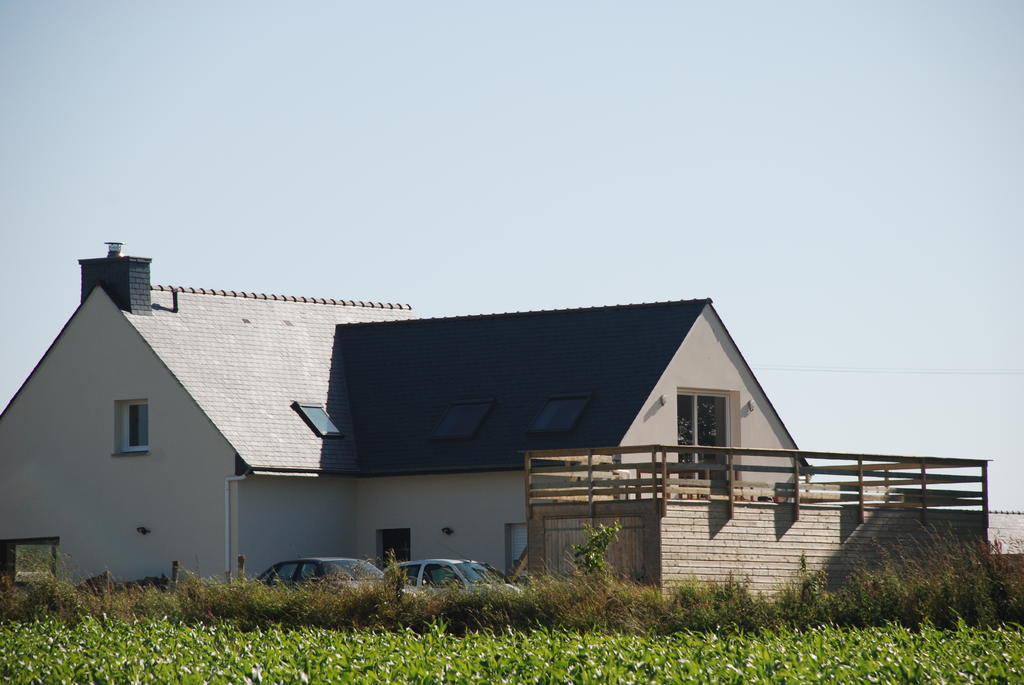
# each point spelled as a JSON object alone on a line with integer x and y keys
{"x": 402, "y": 375}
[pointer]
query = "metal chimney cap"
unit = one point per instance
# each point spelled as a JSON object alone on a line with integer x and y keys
{"x": 114, "y": 249}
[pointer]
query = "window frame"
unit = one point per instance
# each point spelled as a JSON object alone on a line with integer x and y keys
{"x": 732, "y": 426}
{"x": 488, "y": 401}
{"x": 730, "y": 405}
{"x": 300, "y": 408}
{"x": 122, "y": 427}
{"x": 585, "y": 396}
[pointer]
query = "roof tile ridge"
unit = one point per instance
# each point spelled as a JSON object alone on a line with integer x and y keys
{"x": 279, "y": 298}
{"x": 531, "y": 312}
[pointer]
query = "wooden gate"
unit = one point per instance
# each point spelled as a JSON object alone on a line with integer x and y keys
{"x": 625, "y": 555}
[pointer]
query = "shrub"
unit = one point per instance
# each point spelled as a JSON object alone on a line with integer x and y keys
{"x": 949, "y": 586}
{"x": 589, "y": 555}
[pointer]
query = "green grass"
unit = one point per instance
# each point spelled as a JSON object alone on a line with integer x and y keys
{"x": 114, "y": 651}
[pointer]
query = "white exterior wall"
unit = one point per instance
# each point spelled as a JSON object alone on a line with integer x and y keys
{"x": 283, "y": 517}
{"x": 707, "y": 360}
{"x": 61, "y": 480}
{"x": 476, "y": 506}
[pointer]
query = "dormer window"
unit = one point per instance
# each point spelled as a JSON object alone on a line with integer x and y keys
{"x": 560, "y": 414}
{"x": 462, "y": 419}
{"x": 317, "y": 419}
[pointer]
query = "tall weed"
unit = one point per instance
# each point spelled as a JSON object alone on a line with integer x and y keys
{"x": 972, "y": 585}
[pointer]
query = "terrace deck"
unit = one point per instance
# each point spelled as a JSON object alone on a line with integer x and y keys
{"x": 712, "y": 520}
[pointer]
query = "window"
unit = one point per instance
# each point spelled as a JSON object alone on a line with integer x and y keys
{"x": 703, "y": 420}
{"x": 412, "y": 574}
{"x": 308, "y": 570}
{"x": 479, "y": 573}
{"x": 462, "y": 419}
{"x": 515, "y": 545}
{"x": 396, "y": 541}
{"x": 132, "y": 426}
{"x": 284, "y": 572}
{"x": 30, "y": 559}
{"x": 439, "y": 575}
{"x": 317, "y": 419}
{"x": 351, "y": 569}
{"x": 560, "y": 414}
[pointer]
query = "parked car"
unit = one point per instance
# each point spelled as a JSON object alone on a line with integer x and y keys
{"x": 339, "y": 570}
{"x": 458, "y": 573}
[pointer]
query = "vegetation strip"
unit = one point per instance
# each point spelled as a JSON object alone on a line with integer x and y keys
{"x": 98, "y": 650}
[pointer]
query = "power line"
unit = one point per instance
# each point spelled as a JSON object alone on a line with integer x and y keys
{"x": 931, "y": 372}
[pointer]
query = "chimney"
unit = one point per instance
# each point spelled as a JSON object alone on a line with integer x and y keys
{"x": 126, "y": 279}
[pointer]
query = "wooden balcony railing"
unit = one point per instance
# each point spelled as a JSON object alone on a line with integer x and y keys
{"x": 679, "y": 472}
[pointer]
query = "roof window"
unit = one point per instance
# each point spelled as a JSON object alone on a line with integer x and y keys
{"x": 462, "y": 419}
{"x": 317, "y": 419}
{"x": 560, "y": 414}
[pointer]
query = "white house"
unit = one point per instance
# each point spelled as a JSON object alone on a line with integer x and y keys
{"x": 168, "y": 423}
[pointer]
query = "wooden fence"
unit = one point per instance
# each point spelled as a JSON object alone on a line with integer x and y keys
{"x": 797, "y": 477}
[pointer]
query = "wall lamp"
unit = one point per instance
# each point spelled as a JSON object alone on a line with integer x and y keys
{"x": 447, "y": 531}
{"x": 143, "y": 530}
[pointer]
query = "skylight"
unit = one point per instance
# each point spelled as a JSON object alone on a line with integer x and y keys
{"x": 559, "y": 414}
{"x": 317, "y": 419}
{"x": 462, "y": 419}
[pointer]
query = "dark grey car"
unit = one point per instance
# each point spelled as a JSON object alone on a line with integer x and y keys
{"x": 340, "y": 570}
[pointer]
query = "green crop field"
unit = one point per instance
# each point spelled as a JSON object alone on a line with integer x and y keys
{"x": 110, "y": 651}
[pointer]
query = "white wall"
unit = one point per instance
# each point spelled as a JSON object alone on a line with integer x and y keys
{"x": 59, "y": 478}
{"x": 708, "y": 360}
{"x": 282, "y": 517}
{"x": 475, "y": 506}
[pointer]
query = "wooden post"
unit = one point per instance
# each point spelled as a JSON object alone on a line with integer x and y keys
{"x": 107, "y": 584}
{"x": 984, "y": 495}
{"x": 732, "y": 474}
{"x": 520, "y": 564}
{"x": 175, "y": 570}
{"x": 860, "y": 490}
{"x": 924, "y": 492}
{"x": 528, "y": 484}
{"x": 241, "y": 567}
{"x": 796, "y": 487}
{"x": 654, "y": 480}
{"x": 664, "y": 483}
{"x": 590, "y": 483}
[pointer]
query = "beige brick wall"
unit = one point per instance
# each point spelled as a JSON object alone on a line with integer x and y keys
{"x": 763, "y": 544}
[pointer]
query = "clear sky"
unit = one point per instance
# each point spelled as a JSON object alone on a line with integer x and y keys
{"x": 845, "y": 180}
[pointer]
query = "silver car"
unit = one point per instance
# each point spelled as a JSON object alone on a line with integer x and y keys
{"x": 447, "y": 573}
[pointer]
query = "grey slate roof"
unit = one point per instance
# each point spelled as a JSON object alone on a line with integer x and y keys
{"x": 245, "y": 376}
{"x": 401, "y": 377}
